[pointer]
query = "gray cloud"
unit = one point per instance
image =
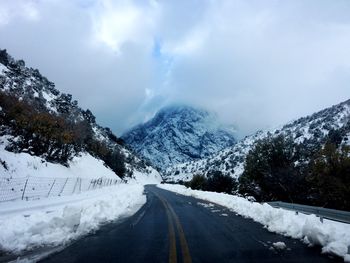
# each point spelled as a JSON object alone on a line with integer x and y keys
{"x": 257, "y": 64}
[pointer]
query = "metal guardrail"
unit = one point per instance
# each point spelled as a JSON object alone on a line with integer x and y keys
{"x": 33, "y": 188}
{"x": 332, "y": 214}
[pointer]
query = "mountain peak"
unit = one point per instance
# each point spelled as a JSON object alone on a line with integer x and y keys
{"x": 179, "y": 133}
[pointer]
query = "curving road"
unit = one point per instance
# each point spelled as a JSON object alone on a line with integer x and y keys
{"x": 174, "y": 228}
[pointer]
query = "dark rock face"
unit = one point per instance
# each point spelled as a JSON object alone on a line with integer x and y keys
{"x": 179, "y": 134}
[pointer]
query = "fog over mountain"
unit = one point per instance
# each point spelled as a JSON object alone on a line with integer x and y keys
{"x": 179, "y": 133}
{"x": 127, "y": 59}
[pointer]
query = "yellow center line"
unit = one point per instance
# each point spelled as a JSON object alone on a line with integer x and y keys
{"x": 172, "y": 248}
{"x": 172, "y": 240}
{"x": 184, "y": 246}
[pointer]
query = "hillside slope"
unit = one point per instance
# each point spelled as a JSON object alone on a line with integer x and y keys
{"x": 38, "y": 120}
{"x": 309, "y": 132}
{"x": 177, "y": 134}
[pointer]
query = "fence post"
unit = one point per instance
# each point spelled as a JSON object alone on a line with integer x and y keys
{"x": 48, "y": 194}
{"x": 89, "y": 185}
{"x": 64, "y": 185}
{"x": 75, "y": 185}
{"x": 24, "y": 189}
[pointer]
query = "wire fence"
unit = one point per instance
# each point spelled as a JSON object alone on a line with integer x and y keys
{"x": 33, "y": 188}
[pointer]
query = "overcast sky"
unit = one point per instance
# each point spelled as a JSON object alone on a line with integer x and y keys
{"x": 258, "y": 64}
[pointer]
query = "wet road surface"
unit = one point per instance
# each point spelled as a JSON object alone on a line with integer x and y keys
{"x": 174, "y": 228}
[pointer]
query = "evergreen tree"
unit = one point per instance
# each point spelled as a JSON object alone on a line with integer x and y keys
{"x": 270, "y": 172}
{"x": 330, "y": 177}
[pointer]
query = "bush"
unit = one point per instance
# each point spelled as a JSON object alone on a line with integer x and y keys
{"x": 55, "y": 137}
{"x": 41, "y": 133}
{"x": 270, "y": 172}
{"x": 217, "y": 182}
{"x": 113, "y": 158}
{"x": 330, "y": 177}
{"x": 198, "y": 182}
{"x": 273, "y": 171}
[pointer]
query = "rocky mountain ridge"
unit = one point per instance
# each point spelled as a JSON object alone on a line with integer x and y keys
{"x": 179, "y": 133}
{"x": 59, "y": 128}
{"x": 309, "y": 132}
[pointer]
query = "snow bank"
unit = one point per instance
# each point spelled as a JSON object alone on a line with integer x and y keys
{"x": 279, "y": 245}
{"x": 145, "y": 178}
{"x": 24, "y": 164}
{"x": 334, "y": 237}
{"x": 66, "y": 222}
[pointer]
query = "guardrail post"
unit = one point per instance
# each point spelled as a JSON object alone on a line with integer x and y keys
{"x": 25, "y": 187}
{"x": 48, "y": 194}
{"x": 321, "y": 212}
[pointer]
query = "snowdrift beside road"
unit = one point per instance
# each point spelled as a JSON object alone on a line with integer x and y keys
{"x": 334, "y": 237}
{"x": 56, "y": 225}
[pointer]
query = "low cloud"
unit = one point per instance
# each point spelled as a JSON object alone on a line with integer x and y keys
{"x": 257, "y": 64}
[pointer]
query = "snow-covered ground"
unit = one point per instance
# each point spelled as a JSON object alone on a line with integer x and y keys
{"x": 151, "y": 178}
{"x": 334, "y": 237}
{"x": 59, "y": 220}
{"x": 64, "y": 203}
{"x": 24, "y": 165}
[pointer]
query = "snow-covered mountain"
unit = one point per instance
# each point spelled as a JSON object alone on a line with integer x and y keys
{"x": 308, "y": 132}
{"x": 178, "y": 134}
{"x": 37, "y": 120}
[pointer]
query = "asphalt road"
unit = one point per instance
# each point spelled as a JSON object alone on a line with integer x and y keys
{"x": 175, "y": 228}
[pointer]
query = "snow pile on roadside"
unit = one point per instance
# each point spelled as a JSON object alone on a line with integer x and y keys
{"x": 334, "y": 237}
{"x": 24, "y": 164}
{"x": 152, "y": 178}
{"x": 279, "y": 245}
{"x": 68, "y": 221}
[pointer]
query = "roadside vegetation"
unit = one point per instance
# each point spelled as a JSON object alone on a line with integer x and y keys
{"x": 56, "y": 138}
{"x": 273, "y": 171}
{"x": 277, "y": 169}
{"x": 214, "y": 181}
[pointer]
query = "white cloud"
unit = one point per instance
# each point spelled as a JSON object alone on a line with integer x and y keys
{"x": 120, "y": 22}
{"x": 18, "y": 9}
{"x": 257, "y": 63}
{"x": 191, "y": 43}
{"x": 261, "y": 64}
